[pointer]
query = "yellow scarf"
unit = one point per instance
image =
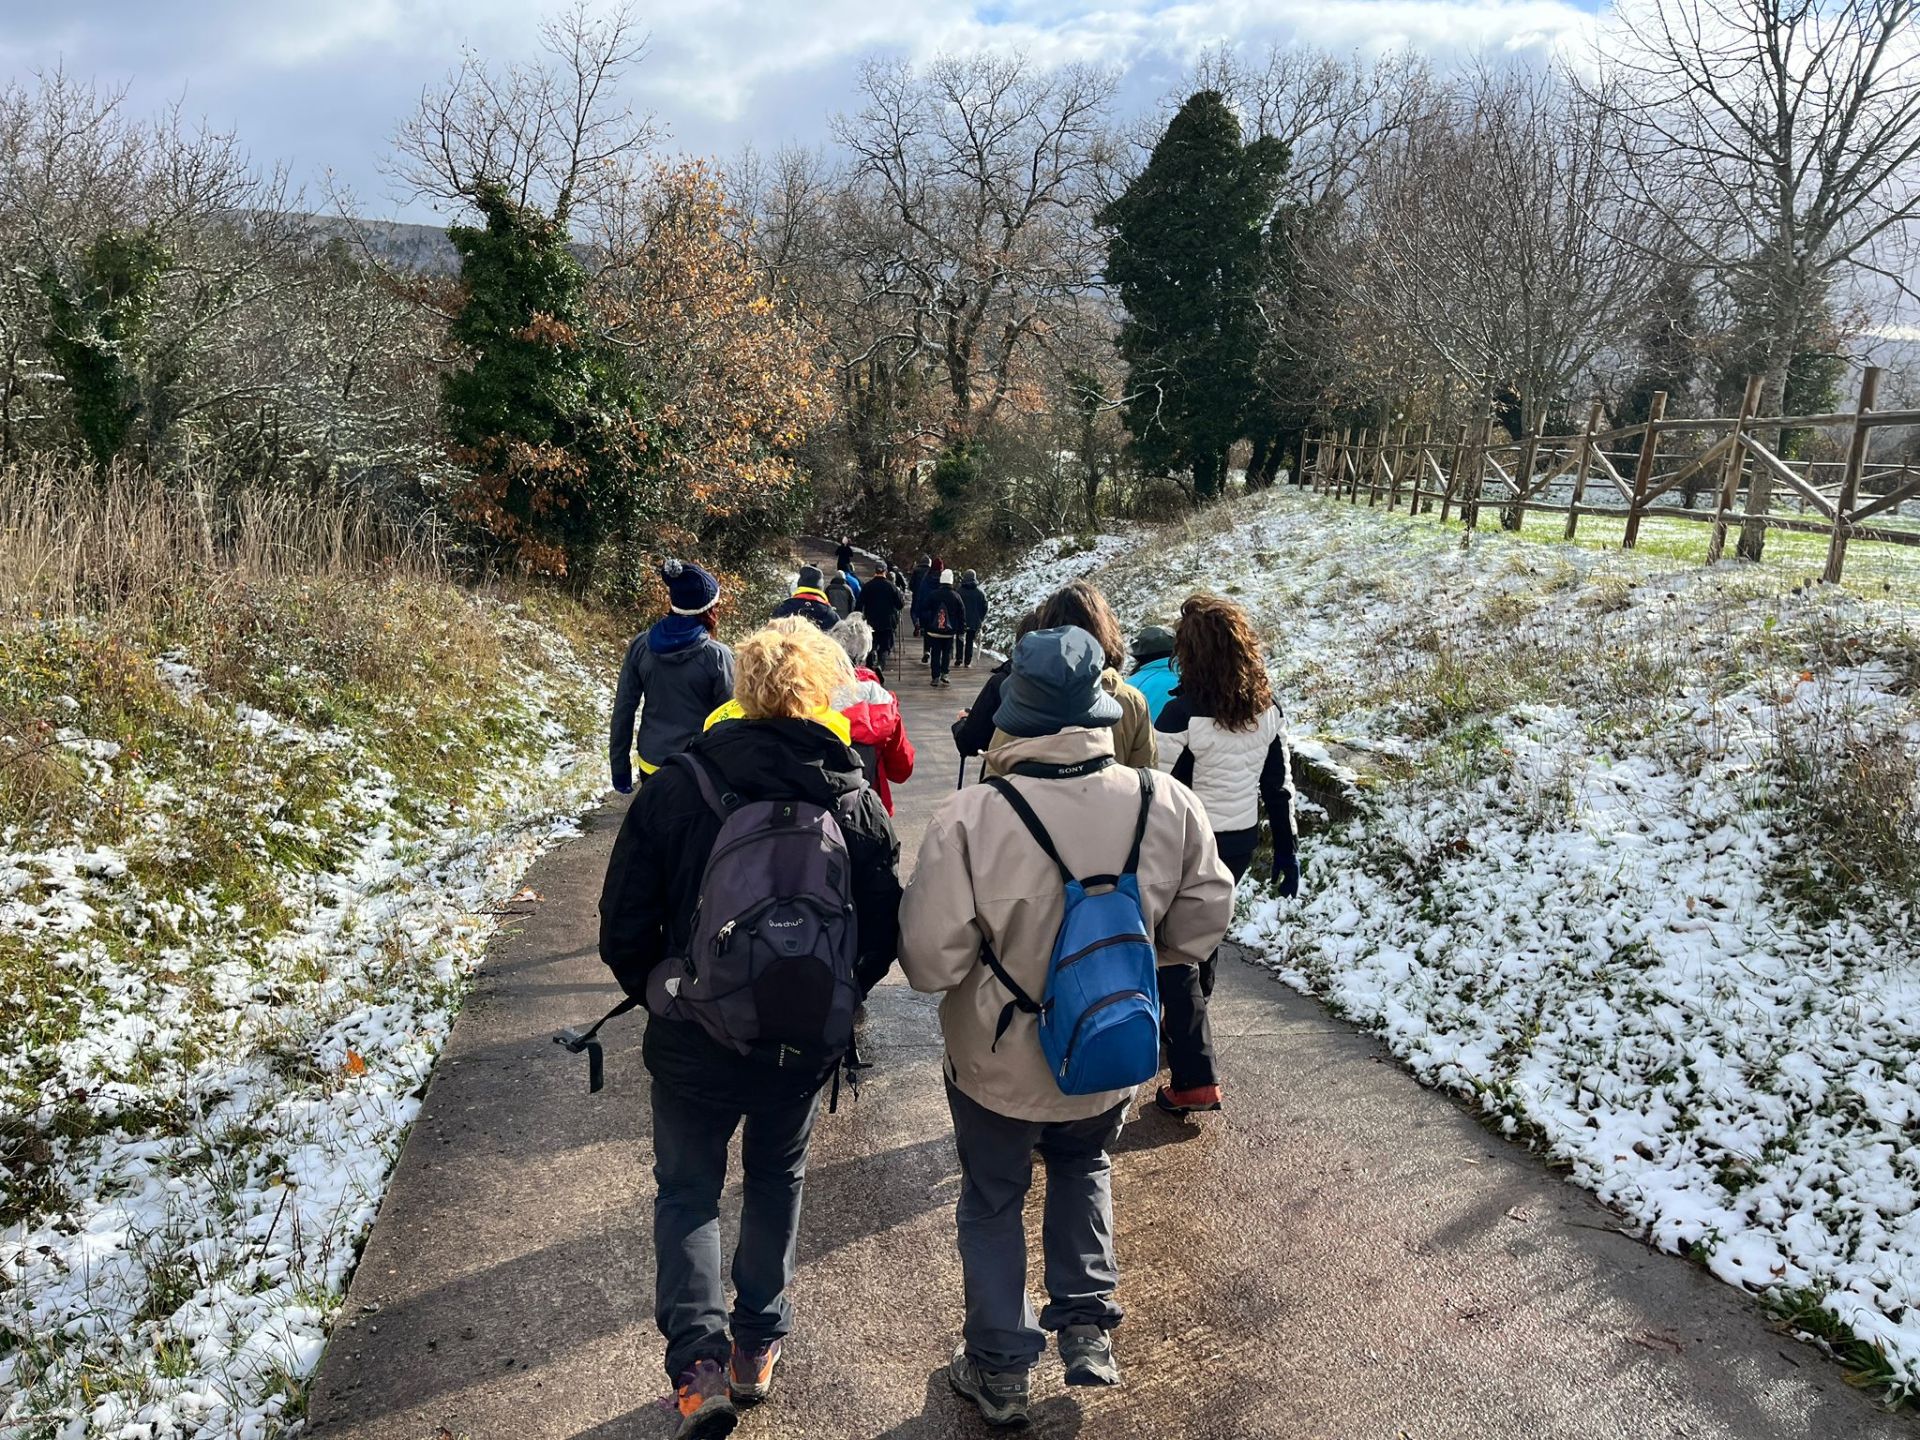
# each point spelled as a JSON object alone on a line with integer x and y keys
{"x": 832, "y": 719}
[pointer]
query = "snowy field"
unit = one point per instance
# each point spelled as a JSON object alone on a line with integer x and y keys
{"x": 220, "y": 1096}
{"x": 1625, "y": 873}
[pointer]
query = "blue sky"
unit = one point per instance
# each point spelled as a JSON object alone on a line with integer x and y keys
{"x": 320, "y": 84}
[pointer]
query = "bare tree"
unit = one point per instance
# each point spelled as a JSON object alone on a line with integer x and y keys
{"x": 1499, "y": 242}
{"x": 976, "y": 179}
{"x": 553, "y": 134}
{"x": 1778, "y": 139}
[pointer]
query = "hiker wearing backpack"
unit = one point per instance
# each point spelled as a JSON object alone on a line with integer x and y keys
{"x": 1222, "y": 736}
{"x": 809, "y": 601}
{"x": 944, "y": 619}
{"x": 1059, "y": 886}
{"x": 678, "y": 668}
{"x": 875, "y": 730}
{"x": 1153, "y": 674}
{"x": 751, "y": 901}
{"x": 841, "y": 595}
{"x": 881, "y": 603}
{"x": 974, "y": 601}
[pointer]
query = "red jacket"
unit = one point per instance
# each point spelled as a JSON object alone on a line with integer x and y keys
{"x": 878, "y": 735}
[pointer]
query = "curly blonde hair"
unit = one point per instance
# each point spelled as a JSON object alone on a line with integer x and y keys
{"x": 788, "y": 671}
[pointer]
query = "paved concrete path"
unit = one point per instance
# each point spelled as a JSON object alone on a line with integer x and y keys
{"x": 1339, "y": 1255}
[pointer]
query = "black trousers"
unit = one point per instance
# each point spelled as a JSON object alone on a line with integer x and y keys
{"x": 1184, "y": 988}
{"x": 882, "y": 648}
{"x": 968, "y": 641}
{"x": 940, "y": 649}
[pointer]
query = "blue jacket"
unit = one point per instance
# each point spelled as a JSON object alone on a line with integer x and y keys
{"x": 1156, "y": 680}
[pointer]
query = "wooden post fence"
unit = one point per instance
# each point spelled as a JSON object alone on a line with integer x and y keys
{"x": 1643, "y": 472}
{"x": 1580, "y": 470}
{"x": 1736, "y": 462}
{"x": 1850, "y": 480}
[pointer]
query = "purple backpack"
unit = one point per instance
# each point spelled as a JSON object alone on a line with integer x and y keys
{"x": 769, "y": 967}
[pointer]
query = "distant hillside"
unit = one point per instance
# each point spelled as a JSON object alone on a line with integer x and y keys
{"x": 423, "y": 249}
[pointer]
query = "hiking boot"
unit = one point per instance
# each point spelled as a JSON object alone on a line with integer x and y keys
{"x": 1000, "y": 1394}
{"x": 750, "y": 1373}
{"x": 1188, "y": 1102}
{"x": 700, "y": 1399}
{"x": 1087, "y": 1352}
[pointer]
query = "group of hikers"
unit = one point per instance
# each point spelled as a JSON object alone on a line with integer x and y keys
{"x": 946, "y": 616}
{"x": 1068, "y": 910}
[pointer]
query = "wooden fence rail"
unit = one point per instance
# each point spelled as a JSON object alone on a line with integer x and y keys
{"x": 1727, "y": 458}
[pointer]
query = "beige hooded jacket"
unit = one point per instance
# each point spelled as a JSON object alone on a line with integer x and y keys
{"x": 981, "y": 876}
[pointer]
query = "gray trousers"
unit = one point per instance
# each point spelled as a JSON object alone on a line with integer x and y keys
{"x": 1076, "y": 1236}
{"x": 690, "y": 1171}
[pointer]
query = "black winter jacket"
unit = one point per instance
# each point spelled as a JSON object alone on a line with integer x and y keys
{"x": 974, "y": 599}
{"x": 809, "y": 605}
{"x": 881, "y": 603}
{"x": 681, "y": 688}
{"x": 941, "y": 597}
{"x": 653, "y": 887}
{"x": 973, "y": 733}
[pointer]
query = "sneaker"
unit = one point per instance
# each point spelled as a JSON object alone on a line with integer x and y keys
{"x": 1088, "y": 1355}
{"x": 700, "y": 1399}
{"x": 1000, "y": 1394}
{"x": 1188, "y": 1102}
{"x": 750, "y": 1373}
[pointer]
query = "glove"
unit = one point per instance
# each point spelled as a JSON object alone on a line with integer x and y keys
{"x": 1286, "y": 875}
{"x": 623, "y": 783}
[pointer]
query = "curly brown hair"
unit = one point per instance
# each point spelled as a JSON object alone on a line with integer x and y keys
{"x": 1223, "y": 671}
{"x": 1082, "y": 604}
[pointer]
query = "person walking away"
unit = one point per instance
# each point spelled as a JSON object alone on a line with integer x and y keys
{"x": 1222, "y": 736}
{"x": 1081, "y": 603}
{"x": 1153, "y": 674}
{"x": 980, "y": 925}
{"x": 766, "y": 820}
{"x": 881, "y": 603}
{"x": 809, "y": 601}
{"x": 974, "y": 601}
{"x": 929, "y": 583}
{"x": 840, "y": 594}
{"x": 875, "y": 730}
{"x": 915, "y": 584}
{"x": 677, "y": 668}
{"x": 843, "y": 554}
{"x": 973, "y": 731}
{"x": 945, "y": 618}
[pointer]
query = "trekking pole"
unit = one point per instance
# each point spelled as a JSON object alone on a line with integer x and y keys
{"x": 961, "y": 783}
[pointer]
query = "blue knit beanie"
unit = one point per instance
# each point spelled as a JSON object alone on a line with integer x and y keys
{"x": 690, "y": 590}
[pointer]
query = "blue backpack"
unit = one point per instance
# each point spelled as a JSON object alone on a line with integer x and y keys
{"x": 1100, "y": 1012}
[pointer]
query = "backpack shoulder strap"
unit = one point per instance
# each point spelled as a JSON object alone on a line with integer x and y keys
{"x": 722, "y": 803}
{"x": 1140, "y": 829}
{"x": 1020, "y": 1001}
{"x": 1021, "y": 808}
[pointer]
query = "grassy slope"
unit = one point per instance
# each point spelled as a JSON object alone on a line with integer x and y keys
{"x": 244, "y": 832}
{"x": 1636, "y": 872}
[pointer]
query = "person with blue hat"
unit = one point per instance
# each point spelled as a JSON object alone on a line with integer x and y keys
{"x": 678, "y": 669}
{"x": 980, "y": 924}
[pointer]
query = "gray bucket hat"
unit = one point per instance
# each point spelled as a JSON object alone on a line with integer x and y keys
{"x": 1055, "y": 685}
{"x": 1154, "y": 642}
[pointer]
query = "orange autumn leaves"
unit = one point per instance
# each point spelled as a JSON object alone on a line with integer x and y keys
{"x": 730, "y": 372}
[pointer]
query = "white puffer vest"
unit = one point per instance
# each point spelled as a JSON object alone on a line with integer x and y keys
{"x": 1226, "y": 766}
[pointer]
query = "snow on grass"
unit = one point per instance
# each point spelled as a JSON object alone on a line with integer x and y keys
{"x": 220, "y": 1021}
{"x": 1629, "y": 873}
